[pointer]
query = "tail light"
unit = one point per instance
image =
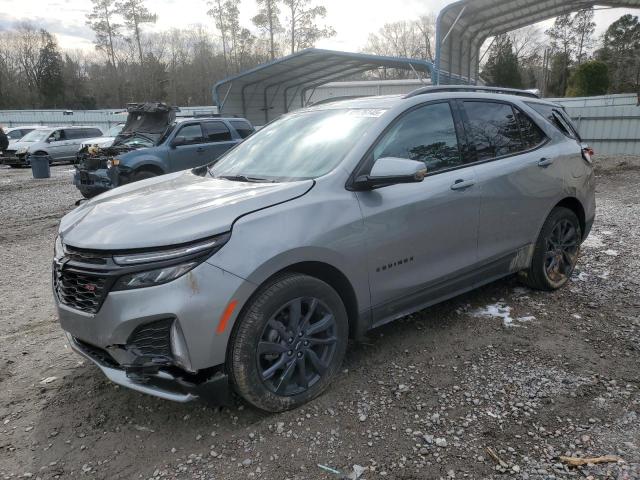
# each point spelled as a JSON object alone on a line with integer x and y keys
{"x": 587, "y": 154}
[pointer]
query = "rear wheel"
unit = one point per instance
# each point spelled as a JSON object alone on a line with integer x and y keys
{"x": 289, "y": 343}
{"x": 556, "y": 251}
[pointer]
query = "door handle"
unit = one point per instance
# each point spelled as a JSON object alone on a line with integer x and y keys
{"x": 461, "y": 184}
{"x": 545, "y": 162}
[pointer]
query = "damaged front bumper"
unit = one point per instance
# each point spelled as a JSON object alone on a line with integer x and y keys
{"x": 98, "y": 180}
{"x": 151, "y": 378}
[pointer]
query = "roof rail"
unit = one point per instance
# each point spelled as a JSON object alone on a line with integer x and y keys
{"x": 471, "y": 88}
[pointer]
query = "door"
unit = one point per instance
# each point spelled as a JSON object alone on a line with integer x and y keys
{"x": 219, "y": 139}
{"x": 74, "y": 137}
{"x": 58, "y": 146}
{"x": 188, "y": 148}
{"x": 519, "y": 178}
{"x": 421, "y": 237}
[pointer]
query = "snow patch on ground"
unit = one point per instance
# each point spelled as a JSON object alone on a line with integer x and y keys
{"x": 611, "y": 253}
{"x": 593, "y": 241}
{"x": 502, "y": 311}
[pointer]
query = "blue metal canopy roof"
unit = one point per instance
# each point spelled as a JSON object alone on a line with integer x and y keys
{"x": 269, "y": 90}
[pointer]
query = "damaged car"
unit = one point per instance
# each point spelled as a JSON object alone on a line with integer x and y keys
{"x": 251, "y": 275}
{"x": 153, "y": 142}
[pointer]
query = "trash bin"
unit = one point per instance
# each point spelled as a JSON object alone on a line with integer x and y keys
{"x": 40, "y": 166}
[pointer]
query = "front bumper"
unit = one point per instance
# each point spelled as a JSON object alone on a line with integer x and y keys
{"x": 15, "y": 160}
{"x": 193, "y": 304}
{"x": 99, "y": 180}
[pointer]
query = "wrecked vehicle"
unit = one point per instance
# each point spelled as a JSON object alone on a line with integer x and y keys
{"x": 251, "y": 275}
{"x": 154, "y": 143}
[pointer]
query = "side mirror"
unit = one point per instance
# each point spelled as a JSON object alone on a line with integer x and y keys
{"x": 390, "y": 171}
{"x": 178, "y": 141}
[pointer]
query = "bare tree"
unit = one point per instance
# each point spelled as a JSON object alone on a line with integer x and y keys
{"x": 584, "y": 27}
{"x": 102, "y": 21}
{"x": 268, "y": 22}
{"x": 135, "y": 14}
{"x": 304, "y": 30}
{"x": 426, "y": 24}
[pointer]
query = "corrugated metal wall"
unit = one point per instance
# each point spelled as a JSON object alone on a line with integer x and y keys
{"x": 99, "y": 118}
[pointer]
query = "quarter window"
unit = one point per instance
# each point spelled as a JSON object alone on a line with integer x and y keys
{"x": 427, "y": 134}
{"x": 216, "y": 132}
{"x": 192, "y": 134}
{"x": 493, "y": 129}
{"x": 532, "y": 136}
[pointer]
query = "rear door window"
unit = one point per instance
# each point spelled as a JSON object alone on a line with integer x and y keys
{"x": 216, "y": 132}
{"x": 244, "y": 129}
{"x": 427, "y": 134}
{"x": 557, "y": 118}
{"x": 74, "y": 133}
{"x": 493, "y": 129}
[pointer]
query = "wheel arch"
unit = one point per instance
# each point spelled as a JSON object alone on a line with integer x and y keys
{"x": 573, "y": 204}
{"x": 149, "y": 167}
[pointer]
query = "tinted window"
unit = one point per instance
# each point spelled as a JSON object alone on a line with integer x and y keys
{"x": 532, "y": 136}
{"x": 75, "y": 133}
{"x": 427, "y": 134}
{"x": 556, "y": 117}
{"x": 15, "y": 134}
{"x": 493, "y": 129}
{"x": 93, "y": 132}
{"x": 216, "y": 132}
{"x": 191, "y": 133}
{"x": 243, "y": 128}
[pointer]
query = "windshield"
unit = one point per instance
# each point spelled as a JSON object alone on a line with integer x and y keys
{"x": 138, "y": 141}
{"x": 298, "y": 146}
{"x": 115, "y": 130}
{"x": 36, "y": 136}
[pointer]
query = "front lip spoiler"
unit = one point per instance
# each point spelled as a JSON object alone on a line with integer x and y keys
{"x": 162, "y": 384}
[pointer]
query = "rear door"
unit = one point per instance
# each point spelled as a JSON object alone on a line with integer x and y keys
{"x": 421, "y": 237}
{"x": 192, "y": 151}
{"x": 519, "y": 179}
{"x": 219, "y": 139}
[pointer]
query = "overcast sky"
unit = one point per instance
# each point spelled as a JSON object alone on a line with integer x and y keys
{"x": 352, "y": 19}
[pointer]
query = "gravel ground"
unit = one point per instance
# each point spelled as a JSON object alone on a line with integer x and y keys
{"x": 533, "y": 376}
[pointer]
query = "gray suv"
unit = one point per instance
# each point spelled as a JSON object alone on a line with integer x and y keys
{"x": 252, "y": 274}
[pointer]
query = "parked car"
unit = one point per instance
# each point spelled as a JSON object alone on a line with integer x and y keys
{"x": 252, "y": 274}
{"x": 60, "y": 144}
{"x": 14, "y": 134}
{"x": 151, "y": 145}
{"x": 104, "y": 141}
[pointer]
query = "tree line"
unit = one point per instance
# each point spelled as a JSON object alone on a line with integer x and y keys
{"x": 567, "y": 59}
{"x": 133, "y": 64}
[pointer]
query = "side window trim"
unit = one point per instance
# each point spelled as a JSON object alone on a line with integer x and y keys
{"x": 366, "y": 163}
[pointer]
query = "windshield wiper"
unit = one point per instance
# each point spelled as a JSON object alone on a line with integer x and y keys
{"x": 244, "y": 178}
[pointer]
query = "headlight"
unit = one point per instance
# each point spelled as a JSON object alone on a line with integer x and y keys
{"x": 58, "y": 249}
{"x": 21, "y": 150}
{"x": 153, "y": 277}
{"x": 212, "y": 245}
{"x": 113, "y": 162}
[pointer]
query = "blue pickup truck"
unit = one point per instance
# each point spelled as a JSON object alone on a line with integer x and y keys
{"x": 153, "y": 143}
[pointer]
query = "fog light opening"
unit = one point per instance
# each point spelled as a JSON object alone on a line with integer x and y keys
{"x": 179, "y": 348}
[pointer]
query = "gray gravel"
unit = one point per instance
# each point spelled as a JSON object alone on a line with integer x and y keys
{"x": 533, "y": 376}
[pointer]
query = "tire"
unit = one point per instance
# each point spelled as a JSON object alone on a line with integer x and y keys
{"x": 274, "y": 379}
{"x": 142, "y": 175}
{"x": 556, "y": 251}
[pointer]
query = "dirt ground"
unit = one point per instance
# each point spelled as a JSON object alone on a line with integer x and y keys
{"x": 533, "y": 376}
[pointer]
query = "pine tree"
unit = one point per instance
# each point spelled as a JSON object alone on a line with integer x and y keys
{"x": 135, "y": 14}
{"x": 501, "y": 68}
{"x": 268, "y": 22}
{"x": 101, "y": 20}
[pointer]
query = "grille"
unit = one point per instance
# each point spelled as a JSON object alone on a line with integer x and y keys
{"x": 152, "y": 339}
{"x": 9, "y": 153}
{"x": 98, "y": 354}
{"x": 79, "y": 290}
{"x": 86, "y": 257}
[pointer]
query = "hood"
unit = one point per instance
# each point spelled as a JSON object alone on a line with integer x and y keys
{"x": 99, "y": 141}
{"x": 169, "y": 210}
{"x": 150, "y": 119}
{"x": 19, "y": 144}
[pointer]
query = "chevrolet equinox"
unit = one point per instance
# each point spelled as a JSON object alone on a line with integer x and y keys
{"x": 250, "y": 275}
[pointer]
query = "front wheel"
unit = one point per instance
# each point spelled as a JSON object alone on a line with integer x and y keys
{"x": 289, "y": 343}
{"x": 556, "y": 251}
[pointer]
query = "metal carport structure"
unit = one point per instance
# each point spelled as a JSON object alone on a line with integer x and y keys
{"x": 269, "y": 90}
{"x": 463, "y": 27}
